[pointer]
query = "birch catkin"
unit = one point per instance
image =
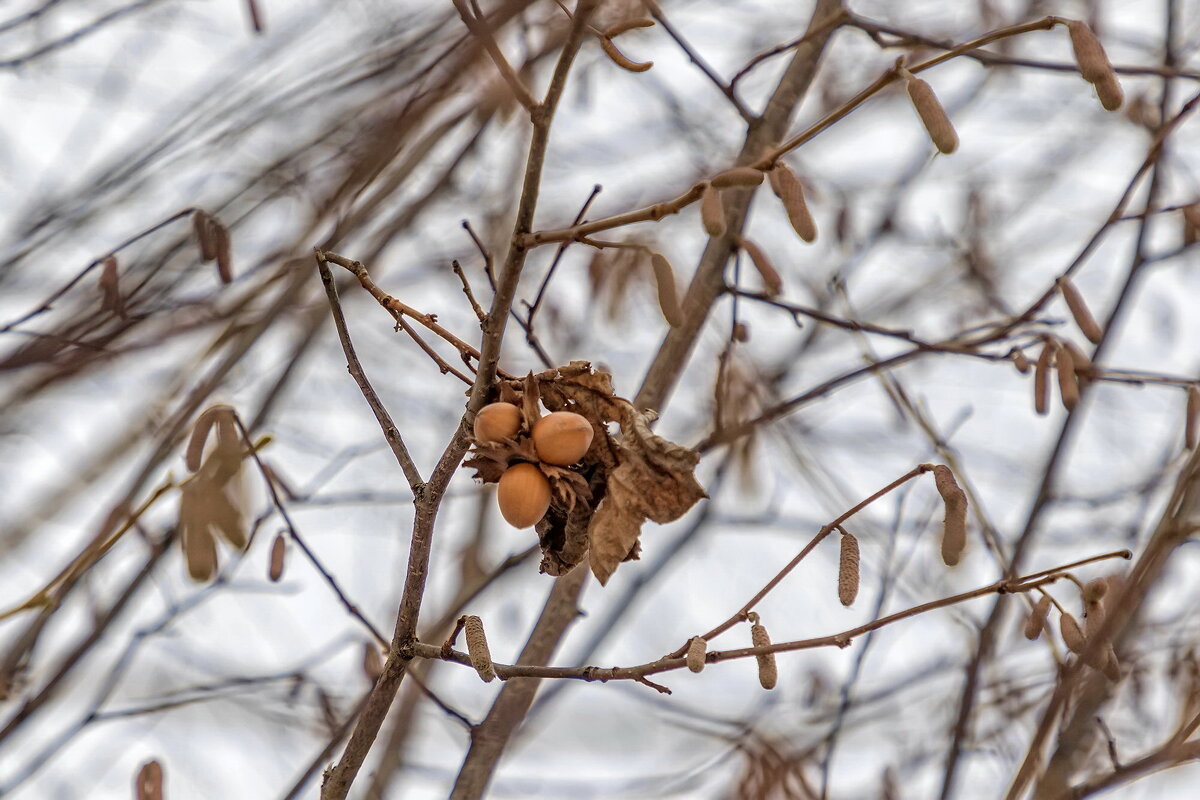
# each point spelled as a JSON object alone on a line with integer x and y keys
{"x": 954, "y": 531}
{"x": 932, "y": 115}
{"x": 772, "y": 283}
{"x": 477, "y": 648}
{"x": 668, "y": 294}
{"x": 1037, "y": 618}
{"x": 1071, "y": 633}
{"x": 1094, "y": 65}
{"x": 848, "y": 570}
{"x": 1193, "y": 417}
{"x": 618, "y": 58}
{"x": 768, "y": 672}
{"x": 1081, "y": 362}
{"x": 737, "y": 176}
{"x": 1068, "y": 384}
{"x": 223, "y": 250}
{"x": 790, "y": 191}
{"x": 1041, "y": 378}
{"x": 148, "y": 785}
{"x": 712, "y": 213}
{"x": 278, "y": 550}
{"x": 697, "y": 648}
{"x": 203, "y": 230}
{"x": 1079, "y": 310}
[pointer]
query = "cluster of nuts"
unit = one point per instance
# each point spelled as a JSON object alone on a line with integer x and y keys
{"x": 561, "y": 439}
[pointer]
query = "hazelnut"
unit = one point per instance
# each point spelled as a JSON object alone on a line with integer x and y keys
{"x": 523, "y": 494}
{"x": 562, "y": 438}
{"x": 496, "y": 422}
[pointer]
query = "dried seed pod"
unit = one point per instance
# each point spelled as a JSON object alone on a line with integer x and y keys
{"x": 737, "y": 176}
{"x": 562, "y": 438}
{"x": 1079, "y": 310}
{"x": 278, "y": 551}
{"x": 1041, "y": 378}
{"x": 697, "y": 648}
{"x": 628, "y": 25}
{"x": 148, "y": 785}
{"x": 668, "y": 293}
{"x": 768, "y": 672}
{"x": 932, "y": 115}
{"x": 1110, "y": 94}
{"x": 372, "y": 663}
{"x": 477, "y": 648}
{"x": 790, "y": 191}
{"x": 496, "y": 422}
{"x": 1068, "y": 385}
{"x": 848, "y": 570}
{"x": 523, "y": 494}
{"x": 1095, "y": 590}
{"x": 1036, "y": 621}
{"x": 772, "y": 283}
{"x": 954, "y": 531}
{"x": 1071, "y": 633}
{"x": 618, "y": 58}
{"x": 110, "y": 291}
{"x": 1093, "y": 62}
{"x": 223, "y": 250}
{"x": 1193, "y": 417}
{"x": 1021, "y": 362}
{"x": 712, "y": 213}
{"x": 204, "y": 236}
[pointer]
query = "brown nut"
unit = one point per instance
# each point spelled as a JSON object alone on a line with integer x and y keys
{"x": 523, "y": 494}
{"x": 562, "y": 438}
{"x": 496, "y": 422}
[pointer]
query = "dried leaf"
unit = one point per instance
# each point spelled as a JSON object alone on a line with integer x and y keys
{"x": 654, "y": 480}
{"x": 530, "y": 397}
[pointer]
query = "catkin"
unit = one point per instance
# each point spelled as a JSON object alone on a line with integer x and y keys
{"x": 1021, "y": 362}
{"x": 278, "y": 550}
{"x": 712, "y": 213}
{"x": 768, "y": 672}
{"x": 668, "y": 296}
{"x": 195, "y": 449}
{"x": 954, "y": 531}
{"x": 697, "y": 648}
{"x": 1193, "y": 417}
{"x": 1110, "y": 94}
{"x": 148, "y": 785}
{"x": 223, "y": 250}
{"x": 204, "y": 237}
{"x": 1089, "y": 53}
{"x": 1079, "y": 310}
{"x": 477, "y": 648}
{"x": 772, "y": 283}
{"x": 932, "y": 115}
{"x": 1081, "y": 361}
{"x": 790, "y": 191}
{"x": 1071, "y": 633}
{"x": 737, "y": 176}
{"x": 1041, "y": 378}
{"x": 1068, "y": 385}
{"x": 1095, "y": 590}
{"x": 848, "y": 570}
{"x": 628, "y": 25}
{"x": 1037, "y": 618}
{"x": 1093, "y": 618}
{"x": 618, "y": 58}
{"x": 109, "y": 287}
{"x": 1111, "y": 666}
{"x": 372, "y": 664}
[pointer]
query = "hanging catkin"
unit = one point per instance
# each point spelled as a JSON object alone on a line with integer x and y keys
{"x": 737, "y": 176}
{"x": 848, "y": 570}
{"x": 1036, "y": 621}
{"x": 1041, "y": 378}
{"x": 278, "y": 550}
{"x": 697, "y": 648}
{"x": 668, "y": 293}
{"x": 1080, "y": 311}
{"x": 477, "y": 648}
{"x": 932, "y": 115}
{"x": 790, "y": 191}
{"x": 772, "y": 283}
{"x": 712, "y": 213}
{"x": 768, "y": 672}
{"x": 1068, "y": 384}
{"x": 954, "y": 530}
{"x": 1071, "y": 633}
